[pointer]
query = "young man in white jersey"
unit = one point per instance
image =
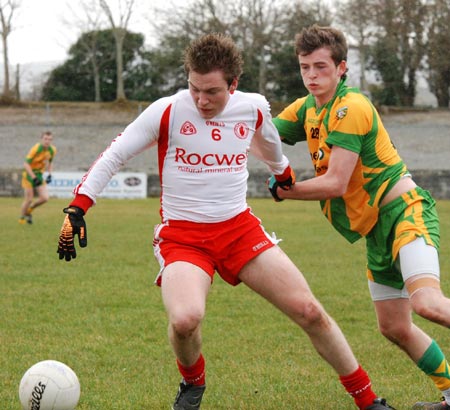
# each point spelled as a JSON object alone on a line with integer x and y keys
{"x": 203, "y": 136}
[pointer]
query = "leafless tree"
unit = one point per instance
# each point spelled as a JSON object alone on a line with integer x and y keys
{"x": 358, "y": 19}
{"x": 264, "y": 18}
{"x": 255, "y": 25}
{"x": 7, "y": 10}
{"x": 90, "y": 20}
{"x": 119, "y": 29}
{"x": 438, "y": 51}
{"x": 17, "y": 83}
{"x": 401, "y": 24}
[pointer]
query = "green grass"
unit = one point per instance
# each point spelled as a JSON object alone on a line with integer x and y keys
{"x": 102, "y": 315}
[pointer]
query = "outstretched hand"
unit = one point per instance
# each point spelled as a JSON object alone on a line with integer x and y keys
{"x": 73, "y": 224}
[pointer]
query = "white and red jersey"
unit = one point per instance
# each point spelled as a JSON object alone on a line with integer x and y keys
{"x": 202, "y": 162}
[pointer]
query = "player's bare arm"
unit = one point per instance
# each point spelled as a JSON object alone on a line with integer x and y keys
{"x": 332, "y": 184}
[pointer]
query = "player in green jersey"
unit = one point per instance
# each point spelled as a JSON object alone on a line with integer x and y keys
{"x": 38, "y": 160}
{"x": 365, "y": 190}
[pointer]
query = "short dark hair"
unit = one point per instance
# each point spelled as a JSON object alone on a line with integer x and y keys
{"x": 212, "y": 52}
{"x": 315, "y": 37}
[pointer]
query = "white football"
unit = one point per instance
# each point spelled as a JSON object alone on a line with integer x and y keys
{"x": 49, "y": 385}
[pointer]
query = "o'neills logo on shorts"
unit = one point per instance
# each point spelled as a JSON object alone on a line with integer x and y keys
{"x": 209, "y": 159}
{"x": 260, "y": 245}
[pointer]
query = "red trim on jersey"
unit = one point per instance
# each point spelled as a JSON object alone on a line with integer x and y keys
{"x": 83, "y": 202}
{"x": 163, "y": 144}
{"x": 285, "y": 175}
{"x": 260, "y": 119}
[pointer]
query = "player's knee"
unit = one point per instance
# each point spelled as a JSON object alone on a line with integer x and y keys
{"x": 185, "y": 323}
{"x": 425, "y": 308}
{"x": 312, "y": 315}
{"x": 397, "y": 333}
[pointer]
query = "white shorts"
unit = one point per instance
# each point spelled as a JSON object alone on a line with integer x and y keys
{"x": 415, "y": 258}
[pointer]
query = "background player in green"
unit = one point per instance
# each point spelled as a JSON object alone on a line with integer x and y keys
{"x": 39, "y": 159}
{"x": 365, "y": 190}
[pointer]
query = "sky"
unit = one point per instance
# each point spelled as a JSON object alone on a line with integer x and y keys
{"x": 40, "y": 33}
{"x": 35, "y": 34}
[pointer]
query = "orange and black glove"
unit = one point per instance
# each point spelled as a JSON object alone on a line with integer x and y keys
{"x": 73, "y": 224}
{"x": 283, "y": 181}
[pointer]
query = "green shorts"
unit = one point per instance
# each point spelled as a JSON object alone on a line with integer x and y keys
{"x": 27, "y": 181}
{"x": 410, "y": 216}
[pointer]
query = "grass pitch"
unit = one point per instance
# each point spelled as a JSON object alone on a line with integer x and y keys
{"x": 102, "y": 315}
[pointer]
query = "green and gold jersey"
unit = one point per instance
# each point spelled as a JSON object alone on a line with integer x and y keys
{"x": 38, "y": 157}
{"x": 350, "y": 121}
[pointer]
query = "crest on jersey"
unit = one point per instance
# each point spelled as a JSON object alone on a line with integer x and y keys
{"x": 188, "y": 128}
{"x": 241, "y": 130}
{"x": 341, "y": 112}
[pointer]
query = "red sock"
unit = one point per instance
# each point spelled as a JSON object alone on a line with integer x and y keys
{"x": 359, "y": 386}
{"x": 194, "y": 374}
